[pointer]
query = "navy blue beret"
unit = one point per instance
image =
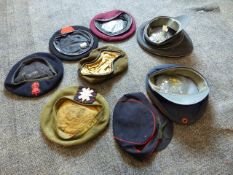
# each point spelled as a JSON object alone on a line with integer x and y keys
{"x": 34, "y": 75}
{"x": 72, "y": 43}
{"x": 138, "y": 127}
{"x": 181, "y": 108}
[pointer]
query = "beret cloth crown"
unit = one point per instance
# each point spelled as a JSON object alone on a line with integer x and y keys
{"x": 115, "y": 25}
{"x": 180, "y": 93}
{"x": 72, "y": 43}
{"x": 74, "y": 115}
{"x": 103, "y": 63}
{"x": 138, "y": 127}
{"x": 34, "y": 75}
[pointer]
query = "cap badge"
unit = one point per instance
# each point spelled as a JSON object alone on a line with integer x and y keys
{"x": 85, "y": 95}
{"x": 35, "y": 88}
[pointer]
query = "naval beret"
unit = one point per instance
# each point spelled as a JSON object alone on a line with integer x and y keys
{"x": 164, "y": 36}
{"x": 72, "y": 43}
{"x": 181, "y": 93}
{"x": 138, "y": 127}
{"x": 115, "y": 25}
{"x": 74, "y": 115}
{"x": 103, "y": 63}
{"x": 34, "y": 75}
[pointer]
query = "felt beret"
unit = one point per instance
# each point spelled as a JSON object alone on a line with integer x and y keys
{"x": 138, "y": 127}
{"x": 114, "y": 25}
{"x": 34, "y": 75}
{"x": 164, "y": 36}
{"x": 74, "y": 115}
{"x": 72, "y": 43}
{"x": 181, "y": 93}
{"x": 103, "y": 63}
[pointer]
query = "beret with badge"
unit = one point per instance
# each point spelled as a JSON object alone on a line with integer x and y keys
{"x": 72, "y": 43}
{"x": 34, "y": 75}
{"x": 74, "y": 115}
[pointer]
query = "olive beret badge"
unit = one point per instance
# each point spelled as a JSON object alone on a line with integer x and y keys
{"x": 85, "y": 95}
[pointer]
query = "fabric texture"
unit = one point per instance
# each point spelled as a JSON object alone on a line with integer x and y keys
{"x": 205, "y": 147}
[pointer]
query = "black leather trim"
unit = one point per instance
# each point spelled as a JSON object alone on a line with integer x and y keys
{"x": 67, "y": 47}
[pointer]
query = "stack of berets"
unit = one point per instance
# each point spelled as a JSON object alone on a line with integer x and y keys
{"x": 74, "y": 115}
{"x": 164, "y": 36}
{"x": 77, "y": 114}
{"x": 114, "y": 25}
{"x": 180, "y": 93}
{"x": 103, "y": 63}
{"x": 39, "y": 73}
{"x": 138, "y": 127}
{"x": 34, "y": 75}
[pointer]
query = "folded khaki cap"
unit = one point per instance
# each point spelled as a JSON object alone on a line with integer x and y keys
{"x": 74, "y": 115}
{"x": 102, "y": 64}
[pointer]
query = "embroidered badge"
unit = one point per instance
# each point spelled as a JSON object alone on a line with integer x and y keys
{"x": 66, "y": 30}
{"x": 85, "y": 95}
{"x": 35, "y": 88}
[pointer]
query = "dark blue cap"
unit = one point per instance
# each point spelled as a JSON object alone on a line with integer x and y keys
{"x": 184, "y": 108}
{"x": 138, "y": 127}
{"x": 34, "y": 75}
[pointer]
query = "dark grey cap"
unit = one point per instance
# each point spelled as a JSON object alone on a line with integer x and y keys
{"x": 164, "y": 36}
{"x": 181, "y": 108}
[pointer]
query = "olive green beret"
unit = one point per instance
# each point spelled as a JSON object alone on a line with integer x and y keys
{"x": 74, "y": 115}
{"x": 102, "y": 64}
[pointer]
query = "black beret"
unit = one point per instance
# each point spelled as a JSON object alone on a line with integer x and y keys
{"x": 34, "y": 75}
{"x": 72, "y": 43}
{"x": 138, "y": 127}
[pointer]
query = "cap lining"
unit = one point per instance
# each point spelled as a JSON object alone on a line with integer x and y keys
{"x": 28, "y": 62}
